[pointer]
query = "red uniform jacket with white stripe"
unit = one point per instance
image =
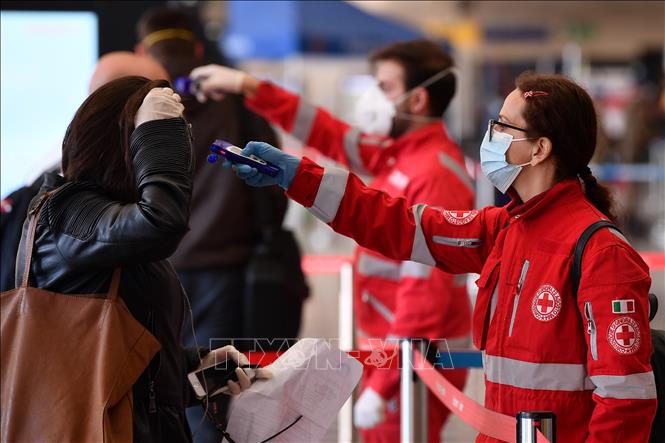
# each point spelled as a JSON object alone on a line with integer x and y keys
{"x": 585, "y": 360}
{"x": 393, "y": 298}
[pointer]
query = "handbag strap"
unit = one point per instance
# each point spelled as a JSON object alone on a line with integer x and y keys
{"x": 30, "y": 243}
{"x": 115, "y": 284}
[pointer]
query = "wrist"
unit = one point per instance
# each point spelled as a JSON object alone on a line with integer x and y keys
{"x": 249, "y": 86}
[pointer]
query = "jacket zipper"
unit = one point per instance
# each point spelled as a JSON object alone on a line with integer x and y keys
{"x": 591, "y": 329}
{"x": 152, "y": 372}
{"x": 520, "y": 285}
{"x": 378, "y": 306}
{"x": 457, "y": 242}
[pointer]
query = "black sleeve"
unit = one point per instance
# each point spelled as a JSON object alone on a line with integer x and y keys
{"x": 92, "y": 230}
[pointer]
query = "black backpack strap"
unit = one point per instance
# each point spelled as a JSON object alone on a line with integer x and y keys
{"x": 579, "y": 250}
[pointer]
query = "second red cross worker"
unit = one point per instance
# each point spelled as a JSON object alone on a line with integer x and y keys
{"x": 403, "y": 145}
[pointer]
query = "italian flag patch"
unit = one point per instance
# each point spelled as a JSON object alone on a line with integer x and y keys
{"x": 623, "y": 306}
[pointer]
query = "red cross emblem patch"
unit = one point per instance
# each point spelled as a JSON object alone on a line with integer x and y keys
{"x": 624, "y": 335}
{"x": 460, "y": 218}
{"x": 546, "y": 304}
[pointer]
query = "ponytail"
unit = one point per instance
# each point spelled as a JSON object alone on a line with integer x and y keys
{"x": 597, "y": 194}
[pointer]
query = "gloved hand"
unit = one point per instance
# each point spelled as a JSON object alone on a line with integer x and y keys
{"x": 214, "y": 80}
{"x": 369, "y": 410}
{"x": 231, "y": 353}
{"x": 288, "y": 165}
{"x": 159, "y": 103}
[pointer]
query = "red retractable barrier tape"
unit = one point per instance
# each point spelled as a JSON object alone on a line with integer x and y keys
{"x": 490, "y": 423}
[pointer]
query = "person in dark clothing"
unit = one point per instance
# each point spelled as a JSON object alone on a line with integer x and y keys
{"x": 123, "y": 201}
{"x": 228, "y": 218}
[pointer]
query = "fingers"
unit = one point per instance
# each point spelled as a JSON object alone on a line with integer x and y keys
{"x": 245, "y": 172}
{"x": 243, "y": 379}
{"x": 263, "y": 374}
{"x": 203, "y": 71}
{"x": 234, "y": 388}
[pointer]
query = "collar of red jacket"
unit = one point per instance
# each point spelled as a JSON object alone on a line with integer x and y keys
{"x": 558, "y": 195}
{"x": 435, "y": 129}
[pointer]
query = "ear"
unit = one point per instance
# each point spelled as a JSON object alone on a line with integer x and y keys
{"x": 419, "y": 101}
{"x": 139, "y": 49}
{"x": 541, "y": 150}
{"x": 199, "y": 51}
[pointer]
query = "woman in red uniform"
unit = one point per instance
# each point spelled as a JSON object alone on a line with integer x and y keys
{"x": 585, "y": 358}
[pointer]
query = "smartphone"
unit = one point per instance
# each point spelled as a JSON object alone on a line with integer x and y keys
{"x": 234, "y": 155}
{"x": 211, "y": 380}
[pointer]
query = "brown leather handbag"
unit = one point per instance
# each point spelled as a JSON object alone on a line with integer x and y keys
{"x": 68, "y": 362}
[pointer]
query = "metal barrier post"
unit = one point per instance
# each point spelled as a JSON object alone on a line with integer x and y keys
{"x": 345, "y": 327}
{"x": 420, "y": 401}
{"x": 529, "y": 423}
{"x": 407, "y": 395}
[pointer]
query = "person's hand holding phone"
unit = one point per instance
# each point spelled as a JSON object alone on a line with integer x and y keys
{"x": 236, "y": 358}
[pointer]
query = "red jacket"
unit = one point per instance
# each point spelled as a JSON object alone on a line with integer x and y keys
{"x": 392, "y": 298}
{"x": 587, "y": 361}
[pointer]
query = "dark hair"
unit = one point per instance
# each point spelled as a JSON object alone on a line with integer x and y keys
{"x": 565, "y": 114}
{"x": 96, "y": 144}
{"x": 421, "y": 59}
{"x": 172, "y": 52}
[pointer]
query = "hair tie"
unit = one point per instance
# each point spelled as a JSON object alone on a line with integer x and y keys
{"x": 528, "y": 94}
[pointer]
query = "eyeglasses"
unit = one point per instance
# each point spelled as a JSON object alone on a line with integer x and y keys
{"x": 493, "y": 122}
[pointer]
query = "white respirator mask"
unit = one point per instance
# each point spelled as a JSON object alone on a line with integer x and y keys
{"x": 374, "y": 112}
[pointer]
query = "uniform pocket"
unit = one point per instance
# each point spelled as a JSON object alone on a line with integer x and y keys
{"x": 591, "y": 329}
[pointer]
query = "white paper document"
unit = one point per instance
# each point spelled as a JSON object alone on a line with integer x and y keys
{"x": 311, "y": 380}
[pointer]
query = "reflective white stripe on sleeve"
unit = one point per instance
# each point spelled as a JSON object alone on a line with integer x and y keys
{"x": 352, "y": 149}
{"x": 371, "y": 266}
{"x": 628, "y": 387}
{"x": 540, "y": 376}
{"x": 382, "y": 309}
{"x": 415, "y": 270}
{"x": 420, "y": 251}
{"x": 330, "y": 193}
{"x": 456, "y": 169}
{"x": 302, "y": 126}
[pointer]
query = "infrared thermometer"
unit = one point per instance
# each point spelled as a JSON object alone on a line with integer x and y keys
{"x": 185, "y": 86}
{"x": 234, "y": 155}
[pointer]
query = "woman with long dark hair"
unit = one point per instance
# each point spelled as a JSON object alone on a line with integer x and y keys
{"x": 123, "y": 203}
{"x": 585, "y": 356}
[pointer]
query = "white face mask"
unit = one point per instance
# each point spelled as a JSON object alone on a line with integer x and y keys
{"x": 374, "y": 113}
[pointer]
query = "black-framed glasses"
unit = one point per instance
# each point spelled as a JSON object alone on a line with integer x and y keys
{"x": 493, "y": 122}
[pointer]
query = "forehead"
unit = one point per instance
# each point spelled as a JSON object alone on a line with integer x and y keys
{"x": 512, "y": 108}
{"x": 388, "y": 70}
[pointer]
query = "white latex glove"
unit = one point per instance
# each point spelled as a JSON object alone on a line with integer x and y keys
{"x": 214, "y": 80}
{"x": 231, "y": 353}
{"x": 159, "y": 103}
{"x": 369, "y": 410}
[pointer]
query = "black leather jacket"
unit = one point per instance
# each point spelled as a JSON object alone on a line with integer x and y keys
{"x": 82, "y": 235}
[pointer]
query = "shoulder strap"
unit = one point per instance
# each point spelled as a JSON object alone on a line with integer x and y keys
{"x": 35, "y": 213}
{"x": 579, "y": 250}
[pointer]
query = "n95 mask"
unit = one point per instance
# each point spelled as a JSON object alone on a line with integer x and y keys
{"x": 374, "y": 112}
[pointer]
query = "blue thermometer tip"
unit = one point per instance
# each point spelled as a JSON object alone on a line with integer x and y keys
{"x": 212, "y": 158}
